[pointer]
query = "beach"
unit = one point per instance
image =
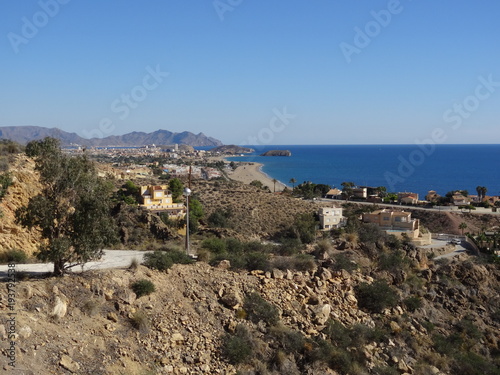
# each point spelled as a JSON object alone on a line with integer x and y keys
{"x": 248, "y": 172}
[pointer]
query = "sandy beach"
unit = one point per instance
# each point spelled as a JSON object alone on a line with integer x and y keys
{"x": 248, "y": 172}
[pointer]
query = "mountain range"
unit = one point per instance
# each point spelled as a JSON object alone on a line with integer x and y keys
{"x": 25, "y": 134}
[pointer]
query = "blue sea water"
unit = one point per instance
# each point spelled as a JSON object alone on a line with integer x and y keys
{"x": 397, "y": 167}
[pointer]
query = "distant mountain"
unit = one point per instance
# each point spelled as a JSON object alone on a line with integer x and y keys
{"x": 24, "y": 134}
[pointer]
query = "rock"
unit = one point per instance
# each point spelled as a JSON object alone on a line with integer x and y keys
{"x": 232, "y": 299}
{"x": 277, "y": 153}
{"x": 224, "y": 264}
{"x": 68, "y": 363}
{"x": 3, "y": 332}
{"x": 177, "y": 338}
{"x": 25, "y": 332}
{"x": 113, "y": 317}
{"x": 395, "y": 327}
{"x": 325, "y": 274}
{"x": 60, "y": 308}
{"x": 277, "y": 274}
{"x": 127, "y": 296}
{"x": 322, "y": 313}
{"x": 25, "y": 291}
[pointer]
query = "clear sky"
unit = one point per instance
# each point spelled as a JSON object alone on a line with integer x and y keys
{"x": 255, "y": 71}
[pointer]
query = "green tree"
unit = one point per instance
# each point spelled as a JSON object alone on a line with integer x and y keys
{"x": 293, "y": 181}
{"x": 176, "y": 188}
{"x": 347, "y": 189}
{"x": 274, "y": 182}
{"x": 73, "y": 209}
{"x": 195, "y": 214}
{"x": 462, "y": 226}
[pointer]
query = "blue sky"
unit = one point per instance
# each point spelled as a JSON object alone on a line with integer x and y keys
{"x": 260, "y": 71}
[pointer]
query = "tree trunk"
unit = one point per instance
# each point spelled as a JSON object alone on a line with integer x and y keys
{"x": 58, "y": 267}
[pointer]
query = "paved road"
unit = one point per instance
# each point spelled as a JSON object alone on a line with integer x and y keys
{"x": 478, "y": 210}
{"x": 111, "y": 259}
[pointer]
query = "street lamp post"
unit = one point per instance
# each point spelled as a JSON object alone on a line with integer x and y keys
{"x": 187, "y": 193}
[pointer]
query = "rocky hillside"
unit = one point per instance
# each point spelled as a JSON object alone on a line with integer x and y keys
{"x": 94, "y": 324}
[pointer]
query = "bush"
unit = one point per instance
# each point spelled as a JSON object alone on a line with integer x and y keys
{"x": 179, "y": 257}
{"x": 393, "y": 261}
{"x": 158, "y": 260}
{"x": 214, "y": 245}
{"x": 290, "y": 340}
{"x": 413, "y": 303}
{"x": 5, "y": 182}
{"x": 259, "y": 309}
{"x": 91, "y": 307}
{"x": 140, "y": 321}
{"x": 304, "y": 262}
{"x": 342, "y": 262}
{"x": 143, "y": 287}
{"x": 219, "y": 219}
{"x": 257, "y": 261}
{"x": 238, "y": 348}
{"x": 13, "y": 256}
{"x": 376, "y": 297}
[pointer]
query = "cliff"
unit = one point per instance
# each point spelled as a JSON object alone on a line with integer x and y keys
{"x": 277, "y": 153}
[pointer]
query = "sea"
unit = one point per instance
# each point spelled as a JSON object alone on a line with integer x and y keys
{"x": 400, "y": 168}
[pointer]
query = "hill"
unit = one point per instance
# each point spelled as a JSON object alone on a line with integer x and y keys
{"x": 24, "y": 134}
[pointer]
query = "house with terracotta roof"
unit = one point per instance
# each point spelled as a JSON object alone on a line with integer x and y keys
{"x": 334, "y": 194}
{"x": 407, "y": 198}
{"x": 157, "y": 198}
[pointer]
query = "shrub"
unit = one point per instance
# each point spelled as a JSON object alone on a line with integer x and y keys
{"x": 179, "y": 257}
{"x": 289, "y": 246}
{"x": 140, "y": 321}
{"x": 413, "y": 303}
{"x": 259, "y": 309}
{"x": 257, "y": 261}
{"x": 134, "y": 264}
{"x": 13, "y": 256}
{"x": 219, "y": 219}
{"x": 342, "y": 262}
{"x": 376, "y": 297}
{"x": 158, "y": 260}
{"x": 214, "y": 245}
{"x": 5, "y": 182}
{"x": 290, "y": 340}
{"x": 304, "y": 262}
{"x": 234, "y": 245}
{"x": 91, "y": 307}
{"x": 238, "y": 348}
{"x": 143, "y": 287}
{"x": 392, "y": 261}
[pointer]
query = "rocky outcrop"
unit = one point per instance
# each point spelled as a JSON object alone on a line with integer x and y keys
{"x": 277, "y": 153}
{"x": 25, "y": 185}
{"x": 232, "y": 150}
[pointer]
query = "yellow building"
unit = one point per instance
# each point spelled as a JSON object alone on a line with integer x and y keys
{"x": 157, "y": 198}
